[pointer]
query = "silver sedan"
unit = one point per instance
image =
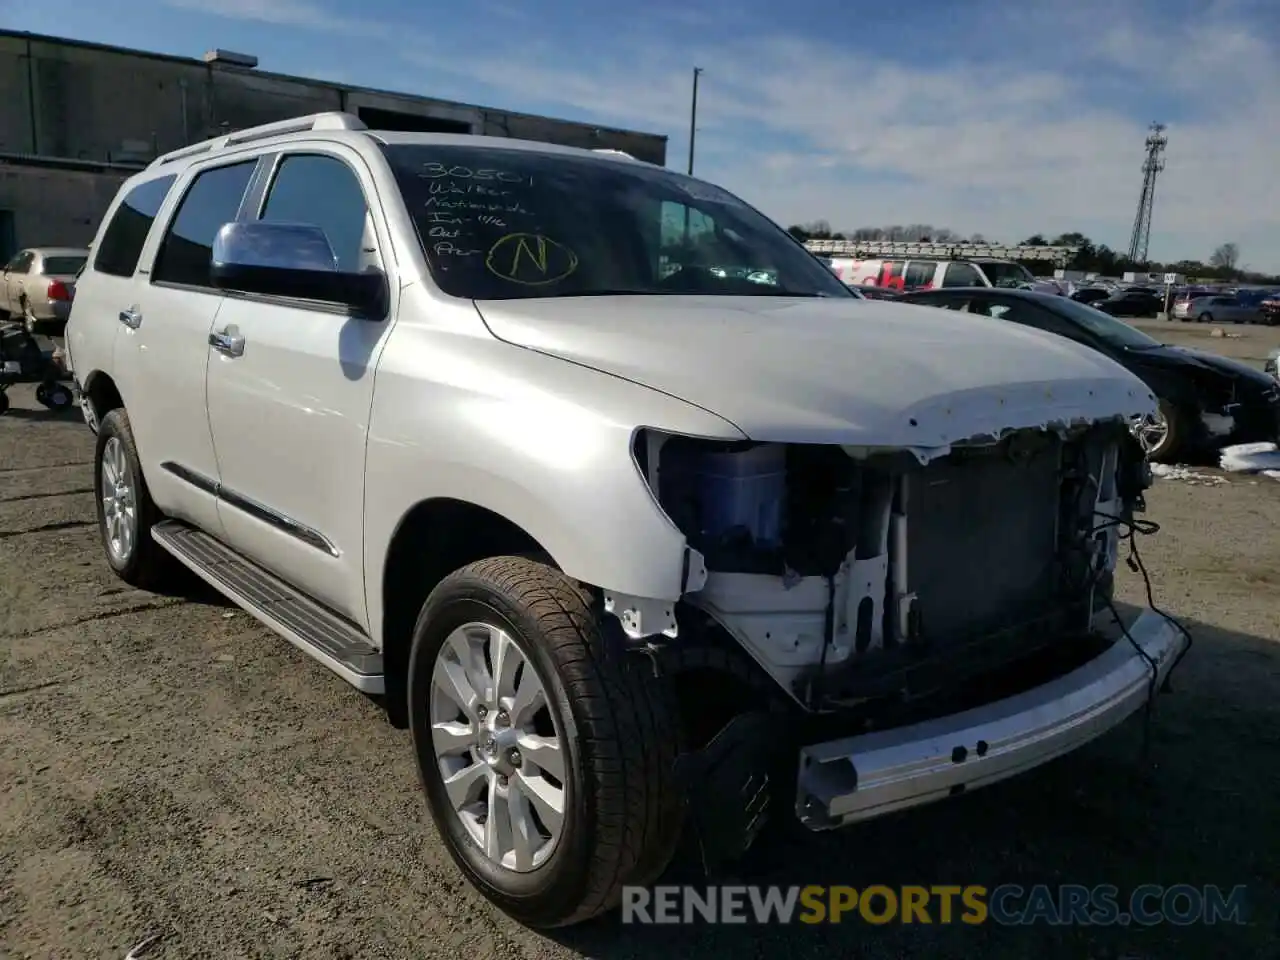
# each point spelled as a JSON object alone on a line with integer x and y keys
{"x": 38, "y": 283}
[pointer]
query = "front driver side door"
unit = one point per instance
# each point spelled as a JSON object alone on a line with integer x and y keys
{"x": 289, "y": 404}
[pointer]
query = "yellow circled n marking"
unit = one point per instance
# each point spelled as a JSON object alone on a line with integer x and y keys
{"x": 530, "y": 259}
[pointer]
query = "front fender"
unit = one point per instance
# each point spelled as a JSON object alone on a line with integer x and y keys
{"x": 542, "y": 442}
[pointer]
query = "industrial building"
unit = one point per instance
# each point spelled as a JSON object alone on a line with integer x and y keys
{"x": 81, "y": 117}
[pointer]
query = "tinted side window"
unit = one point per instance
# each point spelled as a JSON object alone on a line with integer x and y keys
{"x": 1029, "y": 315}
{"x": 919, "y": 273}
{"x": 891, "y": 274}
{"x": 962, "y": 275}
{"x": 952, "y": 302}
{"x": 122, "y": 241}
{"x": 213, "y": 199}
{"x": 21, "y": 263}
{"x": 322, "y": 191}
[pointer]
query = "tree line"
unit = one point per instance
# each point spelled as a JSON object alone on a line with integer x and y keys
{"x": 1223, "y": 263}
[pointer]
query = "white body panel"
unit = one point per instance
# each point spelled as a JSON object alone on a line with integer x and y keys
{"x": 290, "y": 419}
{"x": 790, "y": 370}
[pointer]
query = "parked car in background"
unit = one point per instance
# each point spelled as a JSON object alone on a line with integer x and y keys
{"x": 1218, "y": 309}
{"x": 38, "y": 283}
{"x": 1090, "y": 295}
{"x": 1131, "y": 303}
{"x": 1269, "y": 311}
{"x": 1206, "y": 400}
{"x": 926, "y": 274}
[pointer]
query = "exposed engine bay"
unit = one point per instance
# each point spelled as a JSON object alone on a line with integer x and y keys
{"x": 849, "y": 574}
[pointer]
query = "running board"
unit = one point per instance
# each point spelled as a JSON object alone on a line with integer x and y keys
{"x": 337, "y": 644}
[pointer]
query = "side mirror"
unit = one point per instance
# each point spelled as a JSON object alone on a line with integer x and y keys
{"x": 291, "y": 260}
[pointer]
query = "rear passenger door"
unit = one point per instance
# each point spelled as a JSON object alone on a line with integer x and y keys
{"x": 290, "y": 414}
{"x": 106, "y": 286}
{"x": 163, "y": 352}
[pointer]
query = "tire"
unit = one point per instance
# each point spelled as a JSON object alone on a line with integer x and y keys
{"x": 615, "y": 720}
{"x": 4, "y": 404}
{"x": 141, "y": 562}
{"x": 29, "y": 322}
{"x": 55, "y": 396}
{"x": 1205, "y": 318}
{"x": 1174, "y": 435}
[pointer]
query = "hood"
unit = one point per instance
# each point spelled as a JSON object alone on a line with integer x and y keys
{"x": 857, "y": 372}
{"x": 1189, "y": 358}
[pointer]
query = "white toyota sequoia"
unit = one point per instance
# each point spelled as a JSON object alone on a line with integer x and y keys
{"x": 611, "y": 491}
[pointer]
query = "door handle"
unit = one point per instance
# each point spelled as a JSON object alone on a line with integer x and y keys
{"x": 131, "y": 318}
{"x": 227, "y": 344}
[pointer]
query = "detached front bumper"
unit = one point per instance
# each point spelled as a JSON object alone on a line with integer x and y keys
{"x": 859, "y": 778}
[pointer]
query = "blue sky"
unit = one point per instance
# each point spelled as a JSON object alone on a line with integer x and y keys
{"x": 1001, "y": 118}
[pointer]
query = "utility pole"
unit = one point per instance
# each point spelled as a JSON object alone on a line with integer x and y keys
{"x": 693, "y": 117}
{"x": 1151, "y": 167}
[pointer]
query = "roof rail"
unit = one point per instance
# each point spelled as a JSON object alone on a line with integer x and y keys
{"x": 332, "y": 120}
{"x": 939, "y": 251}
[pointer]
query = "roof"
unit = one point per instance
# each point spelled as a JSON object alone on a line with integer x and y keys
{"x": 255, "y": 72}
{"x": 337, "y": 125}
{"x": 395, "y": 137}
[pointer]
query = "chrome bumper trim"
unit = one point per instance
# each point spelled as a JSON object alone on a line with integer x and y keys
{"x": 859, "y": 778}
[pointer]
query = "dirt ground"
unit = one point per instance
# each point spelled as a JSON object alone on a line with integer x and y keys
{"x": 169, "y": 768}
{"x": 1245, "y": 342}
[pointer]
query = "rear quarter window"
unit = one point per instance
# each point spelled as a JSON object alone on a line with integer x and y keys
{"x": 122, "y": 241}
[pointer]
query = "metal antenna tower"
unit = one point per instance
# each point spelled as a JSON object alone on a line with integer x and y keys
{"x": 1151, "y": 167}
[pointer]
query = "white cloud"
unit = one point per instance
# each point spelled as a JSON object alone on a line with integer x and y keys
{"x": 288, "y": 13}
{"x": 1041, "y": 135}
{"x": 1003, "y": 147}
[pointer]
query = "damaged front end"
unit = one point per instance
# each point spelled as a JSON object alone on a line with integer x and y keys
{"x": 866, "y": 581}
{"x": 850, "y": 575}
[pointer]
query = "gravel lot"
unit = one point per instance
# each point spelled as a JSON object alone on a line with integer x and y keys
{"x": 168, "y": 767}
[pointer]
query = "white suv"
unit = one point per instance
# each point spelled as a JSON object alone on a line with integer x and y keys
{"x": 476, "y": 424}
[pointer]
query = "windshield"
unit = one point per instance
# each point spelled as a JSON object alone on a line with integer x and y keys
{"x": 1104, "y": 326}
{"x": 1003, "y": 274}
{"x": 61, "y": 266}
{"x": 498, "y": 224}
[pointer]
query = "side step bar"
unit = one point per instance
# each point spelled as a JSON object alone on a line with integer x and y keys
{"x": 339, "y": 645}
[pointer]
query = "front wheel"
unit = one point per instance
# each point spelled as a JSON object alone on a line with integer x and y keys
{"x": 546, "y": 750}
{"x": 1160, "y": 434}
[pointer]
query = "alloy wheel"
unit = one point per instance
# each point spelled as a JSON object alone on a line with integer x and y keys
{"x": 1150, "y": 430}
{"x": 119, "y": 503}
{"x": 496, "y": 746}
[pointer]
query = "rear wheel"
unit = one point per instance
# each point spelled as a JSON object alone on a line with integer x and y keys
{"x": 1205, "y": 318}
{"x": 55, "y": 396}
{"x": 29, "y": 321}
{"x": 546, "y": 750}
{"x": 126, "y": 512}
